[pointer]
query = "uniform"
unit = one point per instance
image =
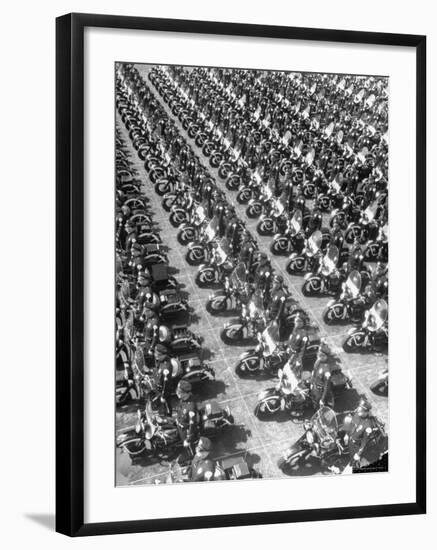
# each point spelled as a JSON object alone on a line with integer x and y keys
{"x": 187, "y": 420}
{"x": 202, "y": 469}
{"x": 357, "y": 431}
{"x": 321, "y": 387}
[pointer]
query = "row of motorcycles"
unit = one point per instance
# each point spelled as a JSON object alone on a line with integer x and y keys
{"x": 155, "y": 350}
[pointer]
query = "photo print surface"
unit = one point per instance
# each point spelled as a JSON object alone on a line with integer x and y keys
{"x": 251, "y": 247}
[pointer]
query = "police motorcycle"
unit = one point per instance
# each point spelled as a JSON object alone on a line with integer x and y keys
{"x": 220, "y": 265}
{"x": 367, "y": 228}
{"x": 267, "y": 357}
{"x": 308, "y": 259}
{"x": 350, "y": 305}
{"x": 289, "y": 394}
{"x": 372, "y": 335}
{"x": 333, "y": 197}
{"x": 233, "y": 293}
{"x": 270, "y": 222}
{"x": 244, "y": 330}
{"x": 191, "y": 229}
{"x": 199, "y": 251}
{"x": 157, "y": 435}
{"x": 181, "y": 211}
{"x": 377, "y": 249}
{"x": 291, "y": 239}
{"x": 323, "y": 440}
{"x": 320, "y": 440}
{"x": 256, "y": 205}
{"x": 159, "y": 384}
{"x": 327, "y": 279}
{"x": 293, "y": 393}
{"x": 247, "y": 190}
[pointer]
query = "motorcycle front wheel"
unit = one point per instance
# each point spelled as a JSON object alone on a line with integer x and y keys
{"x": 279, "y": 247}
{"x": 312, "y": 286}
{"x": 216, "y": 305}
{"x": 335, "y": 314}
{"x": 265, "y": 227}
{"x": 246, "y": 367}
{"x": 267, "y": 407}
{"x": 232, "y": 334}
{"x": 205, "y": 278}
{"x": 134, "y": 446}
{"x": 296, "y": 265}
{"x": 186, "y": 235}
{"x": 196, "y": 255}
{"x": 354, "y": 342}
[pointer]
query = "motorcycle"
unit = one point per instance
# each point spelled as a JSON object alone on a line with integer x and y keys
{"x": 243, "y": 330}
{"x": 373, "y": 333}
{"x": 377, "y": 249}
{"x": 267, "y": 357}
{"x": 308, "y": 259}
{"x": 159, "y": 436}
{"x": 327, "y": 279}
{"x": 349, "y": 305}
{"x": 229, "y": 297}
{"x": 270, "y": 222}
{"x": 189, "y": 231}
{"x": 199, "y": 251}
{"x": 294, "y": 395}
{"x": 216, "y": 270}
{"x": 291, "y": 239}
{"x": 322, "y": 441}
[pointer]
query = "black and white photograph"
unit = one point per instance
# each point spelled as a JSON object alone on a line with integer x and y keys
{"x": 251, "y": 278}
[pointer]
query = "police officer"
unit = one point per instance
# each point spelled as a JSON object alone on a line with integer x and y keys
{"x": 357, "y": 429}
{"x": 296, "y": 344}
{"x": 321, "y": 385}
{"x": 277, "y": 298}
{"x": 187, "y": 420}
{"x": 202, "y": 467}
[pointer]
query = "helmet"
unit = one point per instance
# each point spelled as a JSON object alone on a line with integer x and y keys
{"x": 364, "y": 405}
{"x": 278, "y": 279}
{"x": 185, "y": 387}
{"x": 204, "y": 444}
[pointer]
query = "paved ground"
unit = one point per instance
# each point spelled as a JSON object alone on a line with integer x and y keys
{"x": 261, "y": 441}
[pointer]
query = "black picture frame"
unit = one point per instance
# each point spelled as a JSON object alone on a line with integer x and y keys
{"x": 70, "y": 272}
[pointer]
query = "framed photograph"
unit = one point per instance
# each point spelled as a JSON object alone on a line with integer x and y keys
{"x": 240, "y": 274}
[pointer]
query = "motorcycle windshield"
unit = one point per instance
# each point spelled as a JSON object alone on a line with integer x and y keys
{"x": 378, "y": 314}
{"x": 270, "y": 336}
{"x": 330, "y": 260}
{"x": 239, "y": 273}
{"x": 200, "y": 212}
{"x": 315, "y": 242}
{"x": 325, "y": 425}
{"x": 296, "y": 221}
{"x": 370, "y": 212}
{"x": 353, "y": 283}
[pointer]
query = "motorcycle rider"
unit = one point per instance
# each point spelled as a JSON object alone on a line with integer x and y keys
{"x": 187, "y": 415}
{"x": 202, "y": 467}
